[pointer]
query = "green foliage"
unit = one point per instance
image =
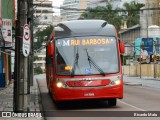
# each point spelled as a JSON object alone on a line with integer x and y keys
{"x": 42, "y": 36}
{"x": 132, "y": 17}
{"x": 35, "y": 58}
{"x": 38, "y": 70}
{"x": 104, "y": 13}
{"x": 114, "y": 16}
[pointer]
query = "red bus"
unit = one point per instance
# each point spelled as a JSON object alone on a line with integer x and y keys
{"x": 83, "y": 61}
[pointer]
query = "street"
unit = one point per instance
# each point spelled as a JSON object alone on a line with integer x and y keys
{"x": 137, "y": 98}
{"x": 101, "y": 49}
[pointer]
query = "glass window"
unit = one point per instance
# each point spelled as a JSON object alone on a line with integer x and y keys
{"x": 86, "y": 55}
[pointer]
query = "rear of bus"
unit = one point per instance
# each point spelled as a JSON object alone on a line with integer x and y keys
{"x": 85, "y": 62}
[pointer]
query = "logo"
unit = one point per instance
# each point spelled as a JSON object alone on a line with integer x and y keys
{"x": 88, "y": 83}
{"x": 6, "y": 114}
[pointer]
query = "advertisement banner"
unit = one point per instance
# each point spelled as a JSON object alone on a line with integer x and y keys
{"x": 148, "y": 45}
{"x": 144, "y": 46}
{"x": 7, "y": 30}
{"x": 158, "y": 46}
{"x": 137, "y": 46}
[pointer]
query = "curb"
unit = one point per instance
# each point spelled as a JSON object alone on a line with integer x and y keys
{"x": 40, "y": 101}
{"x": 132, "y": 84}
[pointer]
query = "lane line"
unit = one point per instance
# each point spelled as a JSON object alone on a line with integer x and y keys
{"x": 131, "y": 105}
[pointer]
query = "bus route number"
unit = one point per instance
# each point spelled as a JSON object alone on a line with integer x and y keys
{"x": 88, "y": 94}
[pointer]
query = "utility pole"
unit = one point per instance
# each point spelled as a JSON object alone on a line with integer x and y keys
{"x": 21, "y": 89}
{"x": 140, "y": 65}
{"x": 156, "y": 13}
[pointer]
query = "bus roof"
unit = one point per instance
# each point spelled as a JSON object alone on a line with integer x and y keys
{"x": 83, "y": 28}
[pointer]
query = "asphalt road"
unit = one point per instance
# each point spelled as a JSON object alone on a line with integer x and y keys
{"x": 137, "y": 101}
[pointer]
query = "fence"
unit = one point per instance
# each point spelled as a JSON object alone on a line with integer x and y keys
{"x": 142, "y": 70}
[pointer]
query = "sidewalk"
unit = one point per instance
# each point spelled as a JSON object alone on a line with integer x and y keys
{"x": 144, "y": 81}
{"x": 6, "y": 101}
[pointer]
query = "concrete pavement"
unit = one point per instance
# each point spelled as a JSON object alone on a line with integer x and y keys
{"x": 6, "y": 102}
{"x": 6, "y": 94}
{"x": 144, "y": 81}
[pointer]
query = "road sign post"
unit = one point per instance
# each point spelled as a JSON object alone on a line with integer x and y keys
{"x": 26, "y": 40}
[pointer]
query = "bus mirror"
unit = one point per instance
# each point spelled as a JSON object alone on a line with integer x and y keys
{"x": 50, "y": 49}
{"x": 121, "y": 47}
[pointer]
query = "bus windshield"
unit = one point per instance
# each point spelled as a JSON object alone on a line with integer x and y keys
{"x": 86, "y": 55}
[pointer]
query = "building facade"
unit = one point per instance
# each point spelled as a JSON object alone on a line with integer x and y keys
{"x": 96, "y": 3}
{"x": 7, "y": 22}
{"x": 58, "y": 19}
{"x": 149, "y": 18}
{"x": 72, "y": 9}
{"x": 129, "y": 36}
{"x": 40, "y": 60}
{"x": 115, "y": 3}
{"x": 43, "y": 14}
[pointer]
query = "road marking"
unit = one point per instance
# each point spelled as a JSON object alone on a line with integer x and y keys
{"x": 132, "y": 105}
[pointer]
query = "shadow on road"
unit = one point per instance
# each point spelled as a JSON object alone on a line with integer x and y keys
{"x": 79, "y": 104}
{"x": 83, "y": 104}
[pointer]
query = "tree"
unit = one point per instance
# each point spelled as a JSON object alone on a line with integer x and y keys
{"x": 38, "y": 70}
{"x": 35, "y": 58}
{"x": 105, "y": 13}
{"x": 42, "y": 37}
{"x": 115, "y": 17}
{"x": 132, "y": 17}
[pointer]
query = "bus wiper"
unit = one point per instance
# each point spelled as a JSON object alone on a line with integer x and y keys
{"x": 75, "y": 63}
{"x": 91, "y": 61}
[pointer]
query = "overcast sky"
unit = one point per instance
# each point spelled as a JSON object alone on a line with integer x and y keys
{"x": 57, "y": 3}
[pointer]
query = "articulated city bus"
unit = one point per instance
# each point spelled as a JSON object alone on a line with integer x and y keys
{"x": 83, "y": 61}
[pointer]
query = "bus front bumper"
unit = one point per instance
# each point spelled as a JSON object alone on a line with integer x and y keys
{"x": 65, "y": 94}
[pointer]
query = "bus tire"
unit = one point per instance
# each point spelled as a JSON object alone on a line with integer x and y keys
{"x": 112, "y": 102}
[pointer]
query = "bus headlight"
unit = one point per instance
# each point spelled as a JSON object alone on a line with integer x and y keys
{"x": 59, "y": 84}
{"x": 117, "y": 82}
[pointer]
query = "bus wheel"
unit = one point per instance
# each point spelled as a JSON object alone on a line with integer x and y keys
{"x": 112, "y": 102}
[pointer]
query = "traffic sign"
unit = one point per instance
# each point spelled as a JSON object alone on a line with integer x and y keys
{"x": 26, "y": 40}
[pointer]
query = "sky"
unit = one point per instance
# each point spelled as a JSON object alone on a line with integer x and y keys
{"x": 57, "y": 3}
